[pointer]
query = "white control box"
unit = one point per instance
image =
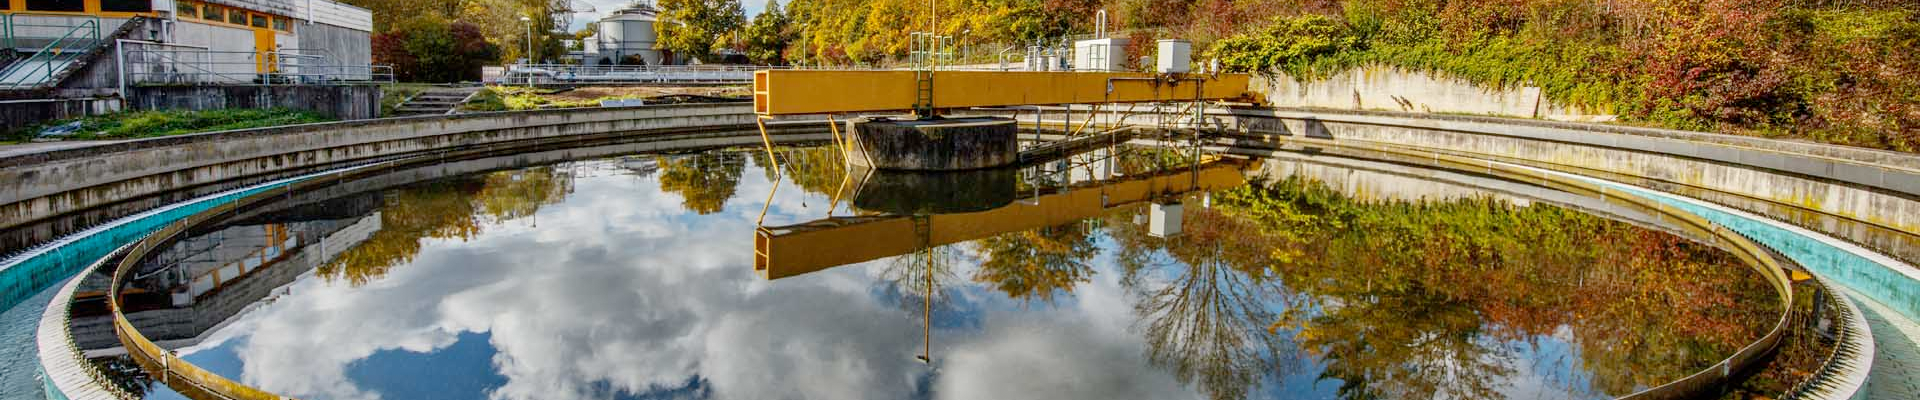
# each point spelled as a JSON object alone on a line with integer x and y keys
{"x": 1100, "y": 55}
{"x": 1175, "y": 56}
{"x": 1163, "y": 219}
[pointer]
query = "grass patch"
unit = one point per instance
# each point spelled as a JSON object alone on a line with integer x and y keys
{"x": 486, "y": 100}
{"x": 139, "y": 124}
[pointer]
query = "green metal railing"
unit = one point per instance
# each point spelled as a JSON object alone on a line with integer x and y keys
{"x": 73, "y": 40}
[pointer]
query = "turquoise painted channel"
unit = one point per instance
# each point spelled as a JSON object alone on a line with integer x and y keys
{"x": 1882, "y": 283}
{"x": 53, "y": 393}
{"x": 21, "y": 279}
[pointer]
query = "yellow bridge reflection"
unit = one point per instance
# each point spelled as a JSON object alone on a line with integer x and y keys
{"x": 785, "y": 251}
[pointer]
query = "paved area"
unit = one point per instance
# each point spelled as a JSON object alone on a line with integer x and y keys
{"x": 9, "y": 150}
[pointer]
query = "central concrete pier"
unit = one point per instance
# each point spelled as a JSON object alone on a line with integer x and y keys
{"x": 934, "y": 145}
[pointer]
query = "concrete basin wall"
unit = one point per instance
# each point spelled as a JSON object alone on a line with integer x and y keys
{"x": 1863, "y": 195}
{"x": 46, "y": 184}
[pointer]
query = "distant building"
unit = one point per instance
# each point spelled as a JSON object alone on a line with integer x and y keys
{"x": 83, "y": 57}
{"x": 291, "y": 36}
{"x": 626, "y": 37}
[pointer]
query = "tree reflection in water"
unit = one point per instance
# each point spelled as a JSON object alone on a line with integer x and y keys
{"x": 445, "y": 209}
{"x": 1394, "y": 299}
{"x": 704, "y": 181}
{"x": 1204, "y": 303}
{"x": 1036, "y": 264}
{"x": 1437, "y": 299}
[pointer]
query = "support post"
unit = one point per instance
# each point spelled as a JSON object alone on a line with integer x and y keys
{"x": 768, "y": 141}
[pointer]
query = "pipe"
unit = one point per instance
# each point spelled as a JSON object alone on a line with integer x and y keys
{"x": 1100, "y": 25}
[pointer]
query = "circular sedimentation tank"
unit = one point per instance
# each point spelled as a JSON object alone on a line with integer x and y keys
{"x": 1126, "y": 272}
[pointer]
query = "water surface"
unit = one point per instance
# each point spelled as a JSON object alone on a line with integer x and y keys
{"x": 634, "y": 278}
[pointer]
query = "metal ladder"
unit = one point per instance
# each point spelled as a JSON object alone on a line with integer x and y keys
{"x": 928, "y": 51}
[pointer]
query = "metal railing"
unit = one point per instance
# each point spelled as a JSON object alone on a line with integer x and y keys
{"x": 569, "y": 73}
{"x": 43, "y": 26}
{"x": 175, "y": 65}
{"x": 72, "y": 41}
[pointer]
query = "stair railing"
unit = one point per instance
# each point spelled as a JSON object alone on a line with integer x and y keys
{"x": 49, "y": 58}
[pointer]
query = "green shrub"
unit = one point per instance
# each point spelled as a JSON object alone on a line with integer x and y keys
{"x": 1291, "y": 45}
{"x": 1836, "y": 74}
{"x": 487, "y": 100}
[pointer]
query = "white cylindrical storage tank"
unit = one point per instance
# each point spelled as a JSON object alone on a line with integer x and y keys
{"x": 630, "y": 32}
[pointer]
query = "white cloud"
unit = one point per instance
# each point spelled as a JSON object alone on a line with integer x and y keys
{"x": 622, "y": 295}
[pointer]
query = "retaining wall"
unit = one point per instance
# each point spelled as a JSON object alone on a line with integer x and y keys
{"x": 1381, "y": 87}
{"x": 1867, "y": 196}
{"x": 47, "y": 184}
{"x": 346, "y": 102}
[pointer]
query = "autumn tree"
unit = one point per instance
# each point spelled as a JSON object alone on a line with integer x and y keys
{"x": 497, "y": 20}
{"x": 698, "y": 28}
{"x": 768, "y": 36}
{"x": 434, "y": 50}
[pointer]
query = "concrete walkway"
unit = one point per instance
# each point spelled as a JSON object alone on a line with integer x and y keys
{"x": 10, "y": 150}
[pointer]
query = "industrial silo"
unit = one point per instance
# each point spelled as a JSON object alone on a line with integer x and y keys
{"x": 626, "y": 37}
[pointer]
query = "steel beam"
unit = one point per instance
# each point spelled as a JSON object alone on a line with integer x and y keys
{"x": 790, "y": 92}
{"x": 807, "y": 247}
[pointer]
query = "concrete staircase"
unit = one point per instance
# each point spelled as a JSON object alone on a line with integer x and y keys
{"x": 439, "y": 100}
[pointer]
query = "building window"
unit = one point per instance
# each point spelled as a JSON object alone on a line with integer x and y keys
{"x": 282, "y": 24}
{"x": 259, "y": 21}
{"x": 237, "y": 17}
{"x": 214, "y": 13}
{"x": 57, "y": 5}
{"x": 183, "y": 9}
{"x": 126, "y": 5}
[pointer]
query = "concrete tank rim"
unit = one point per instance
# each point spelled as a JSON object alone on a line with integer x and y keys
{"x": 109, "y": 147}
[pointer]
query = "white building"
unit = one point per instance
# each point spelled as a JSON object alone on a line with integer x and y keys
{"x": 627, "y": 37}
{"x": 299, "y": 37}
{"x": 195, "y": 41}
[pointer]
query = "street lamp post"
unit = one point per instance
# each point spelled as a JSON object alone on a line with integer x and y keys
{"x": 529, "y": 22}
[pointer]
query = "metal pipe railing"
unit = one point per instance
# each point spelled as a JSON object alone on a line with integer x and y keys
{"x": 199, "y": 66}
{"x": 73, "y": 41}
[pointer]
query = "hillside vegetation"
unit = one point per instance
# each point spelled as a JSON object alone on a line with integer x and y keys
{"x": 1836, "y": 71}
